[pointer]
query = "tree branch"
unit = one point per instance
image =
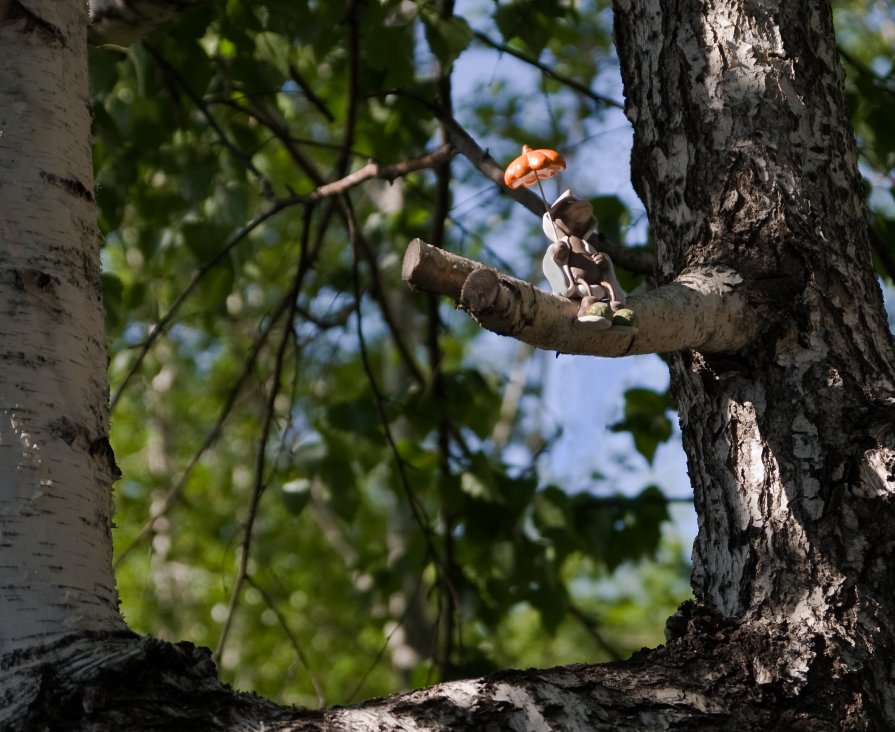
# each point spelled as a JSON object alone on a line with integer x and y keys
{"x": 705, "y": 309}
{"x": 121, "y": 22}
{"x": 582, "y": 89}
{"x": 383, "y": 172}
{"x": 639, "y": 262}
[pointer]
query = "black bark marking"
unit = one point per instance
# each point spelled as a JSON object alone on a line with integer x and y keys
{"x": 25, "y": 280}
{"x": 101, "y": 448}
{"x": 69, "y": 185}
{"x": 65, "y": 430}
{"x": 48, "y": 32}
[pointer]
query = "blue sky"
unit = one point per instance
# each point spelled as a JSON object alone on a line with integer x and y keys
{"x": 583, "y": 394}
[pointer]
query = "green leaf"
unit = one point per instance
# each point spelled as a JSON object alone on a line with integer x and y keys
{"x": 242, "y": 15}
{"x": 295, "y": 494}
{"x": 551, "y": 600}
{"x": 447, "y": 37}
{"x": 103, "y": 70}
{"x": 341, "y": 484}
{"x": 216, "y": 285}
{"x": 645, "y": 417}
{"x": 204, "y": 239}
{"x": 387, "y": 48}
{"x": 531, "y": 21}
{"x": 615, "y": 529}
{"x": 481, "y": 486}
{"x": 612, "y": 217}
{"x": 472, "y": 401}
{"x": 359, "y": 416}
{"x": 308, "y": 456}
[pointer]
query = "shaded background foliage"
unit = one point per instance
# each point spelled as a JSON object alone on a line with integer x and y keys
{"x": 338, "y": 484}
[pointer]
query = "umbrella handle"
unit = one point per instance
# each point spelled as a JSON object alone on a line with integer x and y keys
{"x": 547, "y": 206}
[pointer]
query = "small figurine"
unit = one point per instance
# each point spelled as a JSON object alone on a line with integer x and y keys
{"x": 576, "y": 270}
{"x": 573, "y": 267}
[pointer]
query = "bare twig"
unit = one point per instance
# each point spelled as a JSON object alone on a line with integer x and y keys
{"x": 261, "y": 458}
{"x": 416, "y": 508}
{"x": 383, "y": 172}
{"x": 309, "y": 93}
{"x": 172, "y": 495}
{"x": 448, "y": 606}
{"x": 200, "y": 274}
{"x": 634, "y": 261}
{"x": 384, "y": 646}
{"x": 388, "y": 318}
{"x": 293, "y": 641}
{"x": 547, "y": 71}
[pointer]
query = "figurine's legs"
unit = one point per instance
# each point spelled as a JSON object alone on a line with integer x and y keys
{"x": 614, "y": 302}
{"x": 593, "y": 310}
{"x": 613, "y": 287}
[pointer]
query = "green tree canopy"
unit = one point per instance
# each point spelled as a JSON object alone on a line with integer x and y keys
{"x": 328, "y": 478}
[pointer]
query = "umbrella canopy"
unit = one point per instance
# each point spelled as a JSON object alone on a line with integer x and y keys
{"x": 532, "y": 166}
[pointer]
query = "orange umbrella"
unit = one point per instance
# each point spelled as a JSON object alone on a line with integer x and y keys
{"x": 532, "y": 166}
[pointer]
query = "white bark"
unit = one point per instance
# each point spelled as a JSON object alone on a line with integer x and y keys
{"x": 56, "y": 468}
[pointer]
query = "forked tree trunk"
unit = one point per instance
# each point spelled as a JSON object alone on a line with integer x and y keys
{"x": 744, "y": 157}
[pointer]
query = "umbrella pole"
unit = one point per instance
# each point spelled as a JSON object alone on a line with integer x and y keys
{"x": 547, "y": 206}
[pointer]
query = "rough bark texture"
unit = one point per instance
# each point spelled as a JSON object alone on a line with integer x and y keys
{"x": 743, "y": 154}
{"x": 56, "y": 467}
{"x": 707, "y": 308}
{"x": 121, "y": 682}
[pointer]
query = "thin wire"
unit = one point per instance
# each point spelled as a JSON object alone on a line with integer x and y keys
{"x": 547, "y": 206}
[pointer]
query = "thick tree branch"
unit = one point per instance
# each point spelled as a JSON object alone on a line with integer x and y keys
{"x": 704, "y": 683}
{"x": 705, "y": 309}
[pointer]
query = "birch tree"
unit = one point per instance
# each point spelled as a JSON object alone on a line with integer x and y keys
{"x": 765, "y": 300}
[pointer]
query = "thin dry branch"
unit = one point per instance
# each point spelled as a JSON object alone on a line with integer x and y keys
{"x": 639, "y": 262}
{"x": 260, "y": 484}
{"x": 300, "y": 654}
{"x": 161, "y": 326}
{"x": 382, "y": 172}
{"x": 216, "y": 431}
{"x": 705, "y": 309}
{"x": 585, "y": 91}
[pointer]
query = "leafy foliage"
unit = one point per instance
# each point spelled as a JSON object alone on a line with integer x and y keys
{"x": 310, "y": 451}
{"x": 646, "y": 418}
{"x": 865, "y": 32}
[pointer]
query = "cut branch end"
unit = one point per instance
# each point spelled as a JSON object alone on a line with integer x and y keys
{"x": 703, "y": 310}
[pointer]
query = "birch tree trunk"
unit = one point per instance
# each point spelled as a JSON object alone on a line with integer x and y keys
{"x": 745, "y": 160}
{"x": 56, "y": 467}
